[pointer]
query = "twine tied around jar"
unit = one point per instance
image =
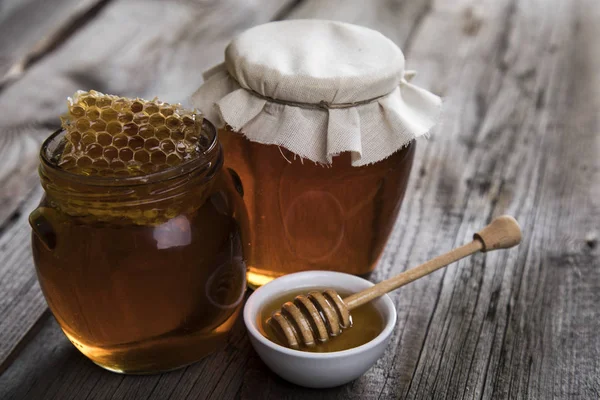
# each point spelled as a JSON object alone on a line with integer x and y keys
{"x": 325, "y": 105}
{"x": 275, "y": 85}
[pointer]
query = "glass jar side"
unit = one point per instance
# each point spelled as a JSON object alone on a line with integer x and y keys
{"x": 305, "y": 216}
{"x": 144, "y": 274}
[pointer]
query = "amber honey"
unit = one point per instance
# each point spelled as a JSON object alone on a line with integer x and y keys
{"x": 142, "y": 298}
{"x": 305, "y": 216}
{"x": 143, "y": 273}
{"x": 367, "y": 324}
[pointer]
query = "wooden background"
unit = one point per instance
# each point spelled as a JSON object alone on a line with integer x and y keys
{"x": 520, "y": 135}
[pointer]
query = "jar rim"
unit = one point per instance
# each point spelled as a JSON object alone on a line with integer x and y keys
{"x": 204, "y": 159}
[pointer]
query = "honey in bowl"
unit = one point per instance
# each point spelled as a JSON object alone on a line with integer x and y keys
{"x": 367, "y": 324}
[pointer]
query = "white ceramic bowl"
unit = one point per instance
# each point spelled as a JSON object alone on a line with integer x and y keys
{"x": 317, "y": 370}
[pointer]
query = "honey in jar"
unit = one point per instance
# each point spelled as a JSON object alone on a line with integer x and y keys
{"x": 140, "y": 262}
{"x": 319, "y": 120}
{"x": 303, "y": 215}
{"x": 367, "y": 324}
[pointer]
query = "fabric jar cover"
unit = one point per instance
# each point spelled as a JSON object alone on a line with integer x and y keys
{"x": 318, "y": 88}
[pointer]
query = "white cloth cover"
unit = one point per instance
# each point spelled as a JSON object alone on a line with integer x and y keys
{"x": 295, "y": 84}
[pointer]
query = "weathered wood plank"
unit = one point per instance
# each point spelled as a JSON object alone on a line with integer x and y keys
{"x": 486, "y": 159}
{"x": 520, "y": 135}
{"x": 139, "y": 48}
{"x": 21, "y": 301}
{"x": 531, "y": 114}
{"x": 134, "y": 48}
{"x": 61, "y": 372}
{"x": 29, "y": 29}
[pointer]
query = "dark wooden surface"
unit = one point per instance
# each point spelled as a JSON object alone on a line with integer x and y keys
{"x": 520, "y": 135}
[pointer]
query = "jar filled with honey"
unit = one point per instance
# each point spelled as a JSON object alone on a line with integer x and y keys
{"x": 319, "y": 120}
{"x": 136, "y": 241}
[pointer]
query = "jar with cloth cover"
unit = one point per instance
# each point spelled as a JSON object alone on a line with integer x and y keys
{"x": 318, "y": 121}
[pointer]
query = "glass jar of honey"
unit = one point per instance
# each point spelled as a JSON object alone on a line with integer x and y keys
{"x": 143, "y": 273}
{"x": 305, "y": 216}
{"x": 319, "y": 119}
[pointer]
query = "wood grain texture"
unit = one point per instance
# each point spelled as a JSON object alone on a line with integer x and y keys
{"x": 61, "y": 372}
{"x": 479, "y": 330}
{"x": 21, "y": 301}
{"x": 133, "y": 48}
{"x": 31, "y": 29}
{"x": 520, "y": 135}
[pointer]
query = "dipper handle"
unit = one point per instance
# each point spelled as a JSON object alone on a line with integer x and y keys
{"x": 502, "y": 233}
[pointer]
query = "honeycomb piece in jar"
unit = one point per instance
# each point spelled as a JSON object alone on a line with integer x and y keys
{"x": 108, "y": 135}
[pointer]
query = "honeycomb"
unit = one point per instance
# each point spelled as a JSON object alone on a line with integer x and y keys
{"x": 108, "y": 135}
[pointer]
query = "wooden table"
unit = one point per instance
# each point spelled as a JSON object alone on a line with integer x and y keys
{"x": 521, "y": 82}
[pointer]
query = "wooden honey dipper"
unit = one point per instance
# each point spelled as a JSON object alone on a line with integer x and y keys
{"x": 314, "y": 318}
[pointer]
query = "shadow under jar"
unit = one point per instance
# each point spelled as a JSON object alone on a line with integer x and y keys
{"x": 144, "y": 274}
{"x": 305, "y": 216}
